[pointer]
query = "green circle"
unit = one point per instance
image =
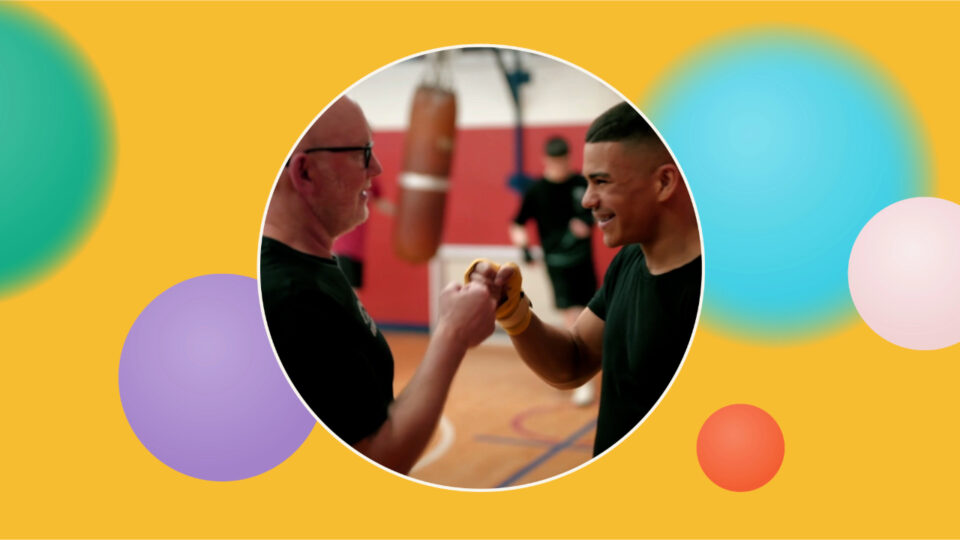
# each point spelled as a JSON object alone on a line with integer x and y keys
{"x": 55, "y": 147}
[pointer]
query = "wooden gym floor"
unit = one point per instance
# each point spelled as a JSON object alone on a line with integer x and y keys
{"x": 502, "y": 426}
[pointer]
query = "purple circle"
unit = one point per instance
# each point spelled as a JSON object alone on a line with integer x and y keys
{"x": 200, "y": 385}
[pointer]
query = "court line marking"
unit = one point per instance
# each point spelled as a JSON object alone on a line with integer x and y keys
{"x": 517, "y": 441}
{"x": 548, "y": 454}
{"x": 518, "y": 423}
{"x": 447, "y": 436}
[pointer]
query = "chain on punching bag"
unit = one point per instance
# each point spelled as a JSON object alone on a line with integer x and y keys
{"x": 428, "y": 153}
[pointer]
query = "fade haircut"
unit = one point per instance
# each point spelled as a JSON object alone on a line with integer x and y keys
{"x": 621, "y": 123}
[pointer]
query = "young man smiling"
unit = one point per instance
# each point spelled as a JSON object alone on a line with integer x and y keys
{"x": 638, "y": 325}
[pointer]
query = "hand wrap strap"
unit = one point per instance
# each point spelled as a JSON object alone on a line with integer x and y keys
{"x": 513, "y": 309}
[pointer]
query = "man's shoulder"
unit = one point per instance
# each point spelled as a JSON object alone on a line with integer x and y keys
{"x": 535, "y": 188}
{"x": 296, "y": 291}
{"x": 277, "y": 256}
{"x": 631, "y": 261}
{"x": 289, "y": 278}
{"x": 628, "y": 261}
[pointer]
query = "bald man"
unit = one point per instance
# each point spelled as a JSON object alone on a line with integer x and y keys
{"x": 330, "y": 348}
{"x": 639, "y": 324}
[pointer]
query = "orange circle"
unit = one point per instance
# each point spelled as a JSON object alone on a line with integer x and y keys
{"x": 740, "y": 447}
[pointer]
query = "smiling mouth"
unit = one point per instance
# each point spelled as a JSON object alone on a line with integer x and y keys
{"x": 604, "y": 221}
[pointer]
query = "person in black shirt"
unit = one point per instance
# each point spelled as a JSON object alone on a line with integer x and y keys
{"x": 564, "y": 228}
{"x": 330, "y": 348}
{"x": 639, "y": 324}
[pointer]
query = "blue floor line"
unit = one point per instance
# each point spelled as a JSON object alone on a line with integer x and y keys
{"x": 523, "y": 442}
{"x": 548, "y": 454}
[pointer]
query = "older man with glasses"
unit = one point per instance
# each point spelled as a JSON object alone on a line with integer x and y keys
{"x": 330, "y": 348}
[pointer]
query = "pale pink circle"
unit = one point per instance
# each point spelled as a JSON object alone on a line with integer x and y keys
{"x": 904, "y": 273}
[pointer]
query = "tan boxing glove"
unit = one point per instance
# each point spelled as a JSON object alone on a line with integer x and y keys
{"x": 513, "y": 310}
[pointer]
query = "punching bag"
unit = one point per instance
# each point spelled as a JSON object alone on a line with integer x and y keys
{"x": 424, "y": 182}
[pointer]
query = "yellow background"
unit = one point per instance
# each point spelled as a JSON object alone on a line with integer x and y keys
{"x": 207, "y": 98}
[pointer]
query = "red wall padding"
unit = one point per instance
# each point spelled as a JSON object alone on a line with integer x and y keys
{"x": 480, "y": 208}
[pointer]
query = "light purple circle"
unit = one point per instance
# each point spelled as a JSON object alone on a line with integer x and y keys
{"x": 200, "y": 385}
{"x": 904, "y": 273}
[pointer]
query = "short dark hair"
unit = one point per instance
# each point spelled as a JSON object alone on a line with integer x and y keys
{"x": 620, "y": 123}
{"x": 556, "y": 147}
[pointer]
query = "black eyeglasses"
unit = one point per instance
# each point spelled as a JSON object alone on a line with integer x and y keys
{"x": 367, "y": 151}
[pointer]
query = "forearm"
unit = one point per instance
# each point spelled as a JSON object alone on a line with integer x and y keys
{"x": 518, "y": 235}
{"x": 554, "y": 354}
{"x": 413, "y": 416}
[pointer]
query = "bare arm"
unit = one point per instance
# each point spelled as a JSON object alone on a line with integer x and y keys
{"x": 413, "y": 416}
{"x": 563, "y": 358}
{"x": 466, "y": 319}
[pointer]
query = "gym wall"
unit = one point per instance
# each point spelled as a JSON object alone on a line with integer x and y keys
{"x": 558, "y": 100}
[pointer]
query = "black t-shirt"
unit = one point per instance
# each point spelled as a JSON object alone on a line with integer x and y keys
{"x": 329, "y": 346}
{"x": 648, "y": 324}
{"x": 553, "y": 205}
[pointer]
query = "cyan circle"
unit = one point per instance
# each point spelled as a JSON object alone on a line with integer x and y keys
{"x": 55, "y": 147}
{"x": 790, "y": 142}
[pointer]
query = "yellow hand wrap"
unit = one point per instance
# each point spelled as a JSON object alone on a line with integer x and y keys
{"x": 513, "y": 311}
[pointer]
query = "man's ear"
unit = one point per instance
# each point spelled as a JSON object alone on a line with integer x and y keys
{"x": 298, "y": 173}
{"x": 668, "y": 180}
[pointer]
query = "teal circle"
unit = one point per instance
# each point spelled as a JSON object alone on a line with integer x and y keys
{"x": 791, "y": 141}
{"x": 55, "y": 147}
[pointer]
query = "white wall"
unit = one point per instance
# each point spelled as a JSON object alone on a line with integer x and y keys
{"x": 557, "y": 94}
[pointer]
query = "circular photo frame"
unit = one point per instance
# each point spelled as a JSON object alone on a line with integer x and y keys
{"x": 481, "y": 267}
